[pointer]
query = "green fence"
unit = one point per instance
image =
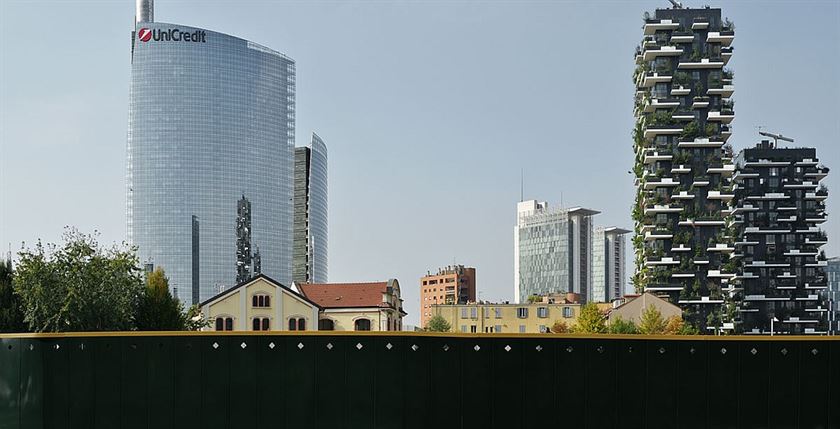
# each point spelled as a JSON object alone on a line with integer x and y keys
{"x": 280, "y": 380}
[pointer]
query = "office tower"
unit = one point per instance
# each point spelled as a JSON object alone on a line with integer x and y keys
{"x": 552, "y": 250}
{"x": 243, "y": 240}
{"x": 451, "y": 285}
{"x": 832, "y": 271}
{"x": 780, "y": 269}
{"x": 683, "y": 163}
{"x": 311, "y": 215}
{"x": 608, "y": 265}
{"x": 211, "y": 116}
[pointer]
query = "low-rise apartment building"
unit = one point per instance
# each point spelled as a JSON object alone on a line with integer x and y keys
{"x": 503, "y": 318}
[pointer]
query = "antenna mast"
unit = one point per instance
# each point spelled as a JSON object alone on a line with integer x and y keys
{"x": 775, "y": 137}
{"x": 677, "y": 5}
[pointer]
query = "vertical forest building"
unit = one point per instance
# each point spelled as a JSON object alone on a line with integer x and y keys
{"x": 683, "y": 164}
{"x": 781, "y": 271}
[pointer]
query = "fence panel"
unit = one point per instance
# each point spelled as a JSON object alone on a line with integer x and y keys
{"x": 476, "y": 383}
{"x": 160, "y": 352}
{"x": 391, "y": 381}
{"x": 813, "y": 385}
{"x": 445, "y": 377}
{"x": 331, "y": 382}
{"x": 31, "y": 384}
{"x": 783, "y": 387}
{"x": 630, "y": 383}
{"x": 56, "y": 385}
{"x": 540, "y": 382}
{"x": 753, "y": 378}
{"x": 298, "y": 375}
{"x": 9, "y": 383}
{"x": 215, "y": 382}
{"x": 507, "y": 384}
{"x": 187, "y": 381}
{"x": 599, "y": 385}
{"x": 81, "y": 375}
{"x": 242, "y": 389}
{"x": 360, "y": 375}
{"x": 271, "y": 393}
{"x": 692, "y": 387}
{"x": 418, "y": 391}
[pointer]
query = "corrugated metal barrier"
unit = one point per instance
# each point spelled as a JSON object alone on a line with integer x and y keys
{"x": 395, "y": 380}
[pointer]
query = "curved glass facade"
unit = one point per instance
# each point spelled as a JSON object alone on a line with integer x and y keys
{"x": 211, "y": 120}
{"x": 318, "y": 214}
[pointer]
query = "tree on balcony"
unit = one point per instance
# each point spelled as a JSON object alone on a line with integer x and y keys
{"x": 681, "y": 79}
{"x": 690, "y": 131}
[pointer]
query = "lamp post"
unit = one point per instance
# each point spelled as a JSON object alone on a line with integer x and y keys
{"x": 772, "y": 326}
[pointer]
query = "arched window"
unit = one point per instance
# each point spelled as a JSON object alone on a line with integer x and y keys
{"x": 267, "y": 301}
{"x": 293, "y": 324}
{"x": 326, "y": 325}
{"x": 229, "y": 324}
{"x": 261, "y": 301}
{"x": 220, "y": 324}
{"x": 256, "y": 324}
{"x": 362, "y": 325}
{"x": 255, "y": 301}
{"x": 301, "y": 324}
{"x": 266, "y": 324}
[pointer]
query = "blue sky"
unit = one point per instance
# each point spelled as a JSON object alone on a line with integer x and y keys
{"x": 429, "y": 109}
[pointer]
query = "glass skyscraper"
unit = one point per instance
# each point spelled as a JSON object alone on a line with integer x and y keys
{"x": 608, "y": 272}
{"x": 310, "y": 263}
{"x": 552, "y": 250}
{"x": 211, "y": 121}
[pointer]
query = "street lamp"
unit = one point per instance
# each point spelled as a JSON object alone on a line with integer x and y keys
{"x": 772, "y": 328}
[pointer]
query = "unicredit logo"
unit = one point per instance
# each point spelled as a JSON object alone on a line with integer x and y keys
{"x": 173, "y": 35}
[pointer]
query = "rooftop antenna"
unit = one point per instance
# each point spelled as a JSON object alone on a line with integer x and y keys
{"x": 677, "y": 5}
{"x": 775, "y": 137}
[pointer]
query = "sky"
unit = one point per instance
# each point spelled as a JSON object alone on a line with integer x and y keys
{"x": 430, "y": 111}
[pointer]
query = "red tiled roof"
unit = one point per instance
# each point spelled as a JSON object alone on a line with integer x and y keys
{"x": 342, "y": 295}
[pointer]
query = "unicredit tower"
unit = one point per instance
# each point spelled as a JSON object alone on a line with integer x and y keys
{"x": 210, "y": 156}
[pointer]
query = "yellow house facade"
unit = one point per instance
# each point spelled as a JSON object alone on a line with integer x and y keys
{"x": 260, "y": 304}
{"x": 372, "y": 306}
{"x": 507, "y": 318}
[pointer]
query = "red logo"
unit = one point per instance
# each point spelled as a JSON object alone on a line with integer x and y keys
{"x": 144, "y": 34}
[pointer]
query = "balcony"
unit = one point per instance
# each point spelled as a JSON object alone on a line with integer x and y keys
{"x": 701, "y": 143}
{"x": 700, "y": 23}
{"x": 660, "y": 103}
{"x": 724, "y": 91}
{"x": 652, "y": 78}
{"x": 704, "y": 63}
{"x": 803, "y": 185}
{"x": 717, "y": 195}
{"x": 725, "y": 116}
{"x": 700, "y": 260}
{"x": 820, "y": 173}
{"x": 681, "y": 248}
{"x": 655, "y": 209}
{"x": 725, "y": 132}
{"x": 704, "y": 300}
{"x": 725, "y": 38}
{"x": 700, "y": 103}
{"x": 680, "y": 91}
{"x": 651, "y": 158}
{"x": 717, "y": 274}
{"x": 817, "y": 264}
{"x": 658, "y": 235}
{"x": 726, "y": 54}
{"x": 680, "y": 169}
{"x": 682, "y": 115}
{"x": 683, "y": 195}
{"x": 663, "y": 182}
{"x": 721, "y": 247}
{"x": 701, "y": 181}
{"x": 766, "y": 163}
{"x": 667, "y": 260}
{"x": 683, "y": 275}
{"x": 654, "y": 25}
{"x": 816, "y": 218}
{"x": 652, "y": 53}
{"x": 799, "y": 253}
{"x": 682, "y": 37}
{"x": 724, "y": 169}
{"x": 655, "y": 130}
{"x": 819, "y": 196}
{"x": 709, "y": 222}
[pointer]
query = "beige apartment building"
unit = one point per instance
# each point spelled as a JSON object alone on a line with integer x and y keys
{"x": 372, "y": 306}
{"x": 505, "y": 318}
{"x": 451, "y": 285}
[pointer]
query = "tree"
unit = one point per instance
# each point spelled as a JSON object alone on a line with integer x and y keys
{"x": 674, "y": 325}
{"x": 158, "y": 310}
{"x": 621, "y": 326}
{"x": 651, "y": 322}
{"x": 438, "y": 324}
{"x": 590, "y": 321}
{"x": 11, "y": 314}
{"x": 560, "y": 327}
{"x": 79, "y": 286}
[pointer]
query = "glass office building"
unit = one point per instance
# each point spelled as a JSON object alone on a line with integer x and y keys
{"x": 310, "y": 262}
{"x": 211, "y": 121}
{"x": 608, "y": 272}
{"x": 552, "y": 250}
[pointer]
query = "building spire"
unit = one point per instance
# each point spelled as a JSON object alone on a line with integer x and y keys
{"x": 145, "y": 11}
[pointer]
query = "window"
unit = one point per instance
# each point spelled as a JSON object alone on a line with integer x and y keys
{"x": 464, "y": 328}
{"x": 498, "y": 313}
{"x": 220, "y": 324}
{"x": 293, "y": 324}
{"x": 229, "y": 324}
{"x": 567, "y": 312}
{"x": 486, "y": 312}
{"x": 301, "y": 324}
{"x": 542, "y": 312}
{"x": 261, "y": 301}
{"x": 472, "y": 329}
{"x": 266, "y": 324}
{"x": 463, "y": 312}
{"x": 498, "y": 328}
{"x": 326, "y": 325}
{"x": 474, "y": 312}
{"x": 256, "y": 324}
{"x": 542, "y": 329}
{"x": 522, "y": 313}
{"x": 521, "y": 329}
{"x": 362, "y": 325}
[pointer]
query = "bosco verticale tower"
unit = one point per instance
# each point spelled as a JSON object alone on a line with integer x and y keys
{"x": 683, "y": 163}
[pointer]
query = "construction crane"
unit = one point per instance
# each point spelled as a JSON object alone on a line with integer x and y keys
{"x": 775, "y": 137}
{"x": 677, "y": 5}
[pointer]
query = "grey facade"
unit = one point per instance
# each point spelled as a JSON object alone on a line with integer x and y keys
{"x": 779, "y": 205}
{"x": 608, "y": 264}
{"x": 832, "y": 272}
{"x": 211, "y": 117}
{"x": 552, "y": 250}
{"x": 683, "y": 164}
{"x": 311, "y": 243}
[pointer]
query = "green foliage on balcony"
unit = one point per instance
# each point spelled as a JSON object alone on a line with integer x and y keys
{"x": 681, "y": 157}
{"x": 695, "y": 55}
{"x": 681, "y": 79}
{"x": 690, "y": 131}
{"x": 683, "y": 237}
{"x": 728, "y": 74}
{"x": 660, "y": 118}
